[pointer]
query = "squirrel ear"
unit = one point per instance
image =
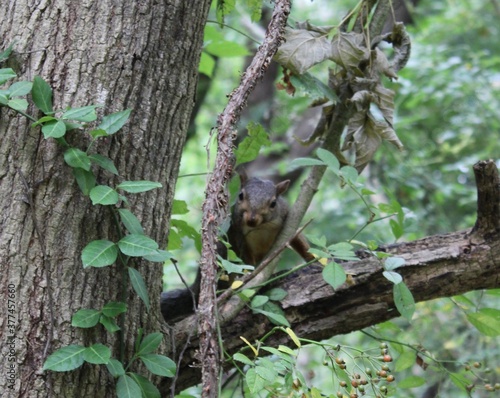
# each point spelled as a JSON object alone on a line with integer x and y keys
{"x": 243, "y": 175}
{"x": 282, "y": 187}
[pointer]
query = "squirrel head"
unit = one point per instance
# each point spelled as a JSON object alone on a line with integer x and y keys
{"x": 259, "y": 202}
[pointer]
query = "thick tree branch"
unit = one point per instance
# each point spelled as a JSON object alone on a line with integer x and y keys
{"x": 215, "y": 207}
{"x": 436, "y": 266}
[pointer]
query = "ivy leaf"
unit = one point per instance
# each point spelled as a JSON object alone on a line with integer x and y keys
{"x": 99, "y": 253}
{"x": 138, "y": 186}
{"x": 75, "y": 157}
{"x": 97, "y": 354}
{"x": 103, "y": 195}
{"x": 148, "y": 389}
{"x": 65, "y": 359}
{"x": 115, "y": 367}
{"x": 83, "y": 114}
{"x": 150, "y": 343}
{"x": 104, "y": 162}
{"x": 114, "y": 308}
{"x": 139, "y": 286}
{"x": 130, "y": 222}
{"x": 20, "y": 88}
{"x": 85, "y": 180}
{"x": 137, "y": 245}
{"x": 126, "y": 387}
{"x": 55, "y": 129}
{"x": 18, "y": 104}
{"x": 114, "y": 122}
{"x": 42, "y": 95}
{"x": 85, "y": 318}
{"x": 393, "y": 277}
{"x": 6, "y": 74}
{"x": 159, "y": 364}
{"x": 109, "y": 324}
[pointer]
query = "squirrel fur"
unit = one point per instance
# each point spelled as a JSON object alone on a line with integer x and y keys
{"x": 257, "y": 219}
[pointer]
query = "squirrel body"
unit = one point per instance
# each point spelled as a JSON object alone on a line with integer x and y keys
{"x": 257, "y": 219}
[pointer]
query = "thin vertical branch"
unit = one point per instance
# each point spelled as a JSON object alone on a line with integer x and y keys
{"x": 215, "y": 206}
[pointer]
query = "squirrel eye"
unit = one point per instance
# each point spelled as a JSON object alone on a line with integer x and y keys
{"x": 241, "y": 196}
{"x": 273, "y": 204}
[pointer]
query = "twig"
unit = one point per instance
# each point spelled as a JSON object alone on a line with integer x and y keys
{"x": 215, "y": 206}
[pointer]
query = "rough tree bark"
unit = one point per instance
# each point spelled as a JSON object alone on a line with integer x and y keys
{"x": 121, "y": 54}
{"x": 436, "y": 266}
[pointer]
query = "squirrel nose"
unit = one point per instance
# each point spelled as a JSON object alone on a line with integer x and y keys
{"x": 252, "y": 220}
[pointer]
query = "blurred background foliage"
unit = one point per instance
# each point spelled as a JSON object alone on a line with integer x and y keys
{"x": 447, "y": 116}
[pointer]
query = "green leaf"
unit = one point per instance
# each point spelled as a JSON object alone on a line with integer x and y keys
{"x": 83, "y": 114}
{"x": 4, "y": 55}
{"x": 207, "y": 64}
{"x": 98, "y": 133}
{"x": 259, "y": 301}
{"x": 114, "y": 308}
{"x": 249, "y": 148}
{"x": 54, "y": 129}
{"x": 486, "y": 323}
{"x": 42, "y": 95}
{"x": 103, "y": 195}
{"x": 138, "y": 186}
{"x": 305, "y": 162}
{"x": 406, "y": 360}
{"x": 226, "y": 48}
{"x": 266, "y": 373}
{"x": 18, "y": 104}
{"x": 396, "y": 228}
{"x": 97, "y": 354}
{"x": 130, "y": 222}
{"x": 75, "y": 157}
{"x": 20, "y": 88}
{"x": 243, "y": 359}
{"x": 99, "y": 253}
{"x": 276, "y": 294}
{"x": 148, "y": 389}
{"x": 115, "y": 367}
{"x": 137, "y": 245}
{"x": 349, "y": 173}
{"x": 460, "y": 380}
{"x": 179, "y": 207}
{"x": 44, "y": 119}
{"x": 4, "y": 97}
{"x": 313, "y": 87}
{"x": 276, "y": 318}
{"x": 158, "y": 256}
{"x": 85, "y": 318}
{"x": 150, "y": 343}
{"x": 159, "y": 364}
{"x": 329, "y": 160}
{"x": 104, "y": 162}
{"x": 139, "y": 286}
{"x": 404, "y": 300}
{"x": 393, "y": 277}
{"x": 109, "y": 324}
{"x": 232, "y": 268}
{"x": 65, "y": 359}
{"x": 126, "y": 387}
{"x": 254, "y": 382}
{"x": 6, "y": 74}
{"x": 392, "y": 263}
{"x": 114, "y": 122}
{"x": 411, "y": 382}
{"x": 334, "y": 274}
{"x": 85, "y": 180}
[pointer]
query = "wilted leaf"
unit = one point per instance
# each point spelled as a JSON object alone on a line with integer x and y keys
{"x": 347, "y": 50}
{"x": 303, "y": 49}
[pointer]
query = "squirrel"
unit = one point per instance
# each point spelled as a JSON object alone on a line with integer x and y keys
{"x": 257, "y": 219}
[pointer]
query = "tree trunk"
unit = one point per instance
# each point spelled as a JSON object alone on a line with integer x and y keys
{"x": 121, "y": 54}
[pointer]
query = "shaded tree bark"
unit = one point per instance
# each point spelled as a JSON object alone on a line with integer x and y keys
{"x": 436, "y": 266}
{"x": 121, "y": 54}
